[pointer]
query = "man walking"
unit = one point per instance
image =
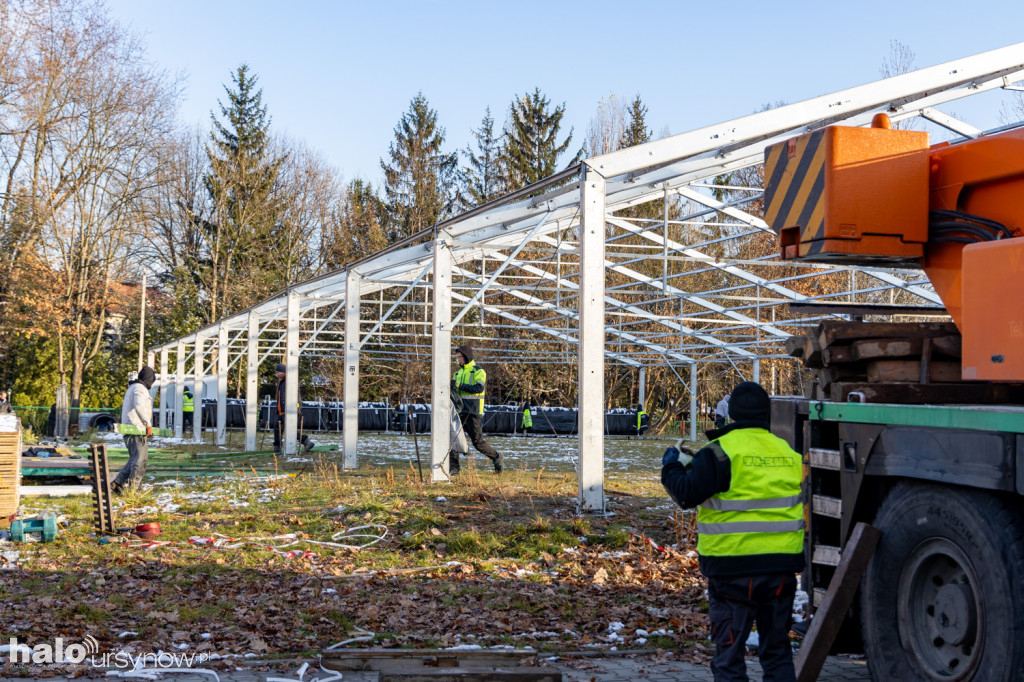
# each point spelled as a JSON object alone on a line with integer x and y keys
{"x": 5, "y": 404}
{"x": 468, "y": 384}
{"x": 188, "y": 408}
{"x": 527, "y": 422}
{"x": 282, "y": 372}
{"x": 722, "y": 413}
{"x": 750, "y": 529}
{"x": 137, "y": 410}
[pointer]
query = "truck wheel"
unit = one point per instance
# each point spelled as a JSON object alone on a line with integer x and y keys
{"x": 938, "y": 599}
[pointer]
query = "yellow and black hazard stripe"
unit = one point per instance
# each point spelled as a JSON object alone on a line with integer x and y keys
{"x": 793, "y": 192}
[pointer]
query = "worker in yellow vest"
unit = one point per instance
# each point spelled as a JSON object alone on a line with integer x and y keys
{"x": 188, "y": 408}
{"x": 527, "y": 422}
{"x": 750, "y": 526}
{"x": 468, "y": 384}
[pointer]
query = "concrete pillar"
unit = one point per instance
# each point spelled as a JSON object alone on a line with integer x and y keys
{"x": 252, "y": 399}
{"x": 222, "y": 385}
{"x": 197, "y": 390}
{"x": 693, "y": 401}
{"x": 440, "y": 366}
{"x": 350, "y": 424}
{"x": 291, "y": 386}
{"x": 165, "y": 385}
{"x": 591, "y": 348}
{"x": 179, "y": 388}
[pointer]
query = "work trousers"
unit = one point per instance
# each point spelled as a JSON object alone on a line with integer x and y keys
{"x": 279, "y": 435}
{"x": 475, "y": 432}
{"x": 719, "y": 421}
{"x": 186, "y": 421}
{"x": 735, "y": 605}
{"x": 130, "y": 475}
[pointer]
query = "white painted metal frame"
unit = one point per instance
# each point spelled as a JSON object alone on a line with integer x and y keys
{"x": 545, "y": 257}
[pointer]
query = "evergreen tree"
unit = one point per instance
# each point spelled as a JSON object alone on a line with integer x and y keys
{"x": 531, "y": 147}
{"x": 636, "y": 131}
{"x": 243, "y": 230}
{"x": 420, "y": 180}
{"x": 359, "y": 229}
{"x": 481, "y": 178}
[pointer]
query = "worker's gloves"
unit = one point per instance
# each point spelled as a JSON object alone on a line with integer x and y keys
{"x": 678, "y": 453}
{"x": 455, "y": 387}
{"x": 149, "y": 431}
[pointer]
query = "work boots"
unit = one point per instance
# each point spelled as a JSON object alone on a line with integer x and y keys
{"x": 497, "y": 463}
{"x": 453, "y": 464}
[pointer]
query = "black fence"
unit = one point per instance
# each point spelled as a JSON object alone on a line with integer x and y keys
{"x": 378, "y": 416}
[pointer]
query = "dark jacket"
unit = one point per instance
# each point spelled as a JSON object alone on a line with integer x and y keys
{"x": 281, "y": 399}
{"x": 707, "y": 476}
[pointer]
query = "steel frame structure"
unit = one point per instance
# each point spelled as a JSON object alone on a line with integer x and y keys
{"x": 574, "y": 267}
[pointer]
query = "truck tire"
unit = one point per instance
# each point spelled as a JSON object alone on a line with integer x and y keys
{"x": 938, "y": 600}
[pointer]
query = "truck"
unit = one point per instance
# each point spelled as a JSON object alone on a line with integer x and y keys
{"x": 914, "y": 428}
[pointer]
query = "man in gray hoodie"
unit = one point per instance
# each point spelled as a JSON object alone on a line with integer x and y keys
{"x": 136, "y": 409}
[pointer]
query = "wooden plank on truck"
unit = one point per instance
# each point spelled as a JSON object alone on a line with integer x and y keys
{"x": 840, "y": 331}
{"x": 795, "y": 346}
{"x": 882, "y": 371}
{"x": 836, "y": 354}
{"x": 829, "y": 617}
{"x": 812, "y": 352}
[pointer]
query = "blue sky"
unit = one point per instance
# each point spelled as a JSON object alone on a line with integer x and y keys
{"x": 338, "y": 75}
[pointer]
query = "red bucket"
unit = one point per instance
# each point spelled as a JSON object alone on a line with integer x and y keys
{"x": 147, "y": 531}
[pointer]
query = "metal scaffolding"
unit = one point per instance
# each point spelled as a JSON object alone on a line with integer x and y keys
{"x": 581, "y": 272}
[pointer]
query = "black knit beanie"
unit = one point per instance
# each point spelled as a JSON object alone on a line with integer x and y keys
{"x": 467, "y": 352}
{"x": 281, "y": 368}
{"x": 147, "y": 376}
{"x": 750, "y": 403}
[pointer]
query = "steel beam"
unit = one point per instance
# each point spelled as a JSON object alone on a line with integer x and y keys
{"x": 693, "y": 402}
{"x": 440, "y": 367}
{"x": 222, "y": 385}
{"x": 590, "y": 398}
{"x": 199, "y": 391}
{"x": 351, "y": 379}
{"x": 179, "y": 388}
{"x": 252, "y": 368}
{"x": 165, "y": 385}
{"x": 291, "y": 386}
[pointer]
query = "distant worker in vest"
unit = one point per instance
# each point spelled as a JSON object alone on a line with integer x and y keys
{"x": 188, "y": 408}
{"x": 469, "y": 383}
{"x": 5, "y": 404}
{"x": 722, "y": 413}
{"x": 750, "y": 528}
{"x": 527, "y": 422}
{"x": 282, "y": 372}
{"x": 642, "y": 421}
{"x": 137, "y": 410}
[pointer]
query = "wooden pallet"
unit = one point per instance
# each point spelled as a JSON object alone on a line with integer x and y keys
{"x": 10, "y": 472}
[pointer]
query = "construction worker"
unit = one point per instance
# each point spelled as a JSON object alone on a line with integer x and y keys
{"x": 282, "y": 372}
{"x": 527, "y": 422}
{"x": 750, "y": 527}
{"x": 468, "y": 384}
{"x": 136, "y": 409}
{"x": 5, "y": 404}
{"x": 722, "y": 413}
{"x": 642, "y": 421}
{"x": 188, "y": 408}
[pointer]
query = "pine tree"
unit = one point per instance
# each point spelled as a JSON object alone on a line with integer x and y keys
{"x": 636, "y": 131}
{"x": 531, "y": 147}
{"x": 420, "y": 180}
{"x": 481, "y": 178}
{"x": 359, "y": 229}
{"x": 243, "y": 174}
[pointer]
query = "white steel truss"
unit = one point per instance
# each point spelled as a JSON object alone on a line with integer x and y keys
{"x": 691, "y": 285}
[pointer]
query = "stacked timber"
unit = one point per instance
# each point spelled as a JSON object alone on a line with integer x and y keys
{"x": 892, "y": 362}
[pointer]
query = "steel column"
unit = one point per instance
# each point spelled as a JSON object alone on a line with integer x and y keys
{"x": 440, "y": 367}
{"x": 291, "y": 386}
{"x": 252, "y": 368}
{"x": 165, "y": 384}
{"x": 693, "y": 401}
{"x": 222, "y": 385}
{"x": 756, "y": 374}
{"x": 591, "y": 359}
{"x": 179, "y": 386}
{"x": 199, "y": 391}
{"x": 642, "y": 393}
{"x": 351, "y": 381}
